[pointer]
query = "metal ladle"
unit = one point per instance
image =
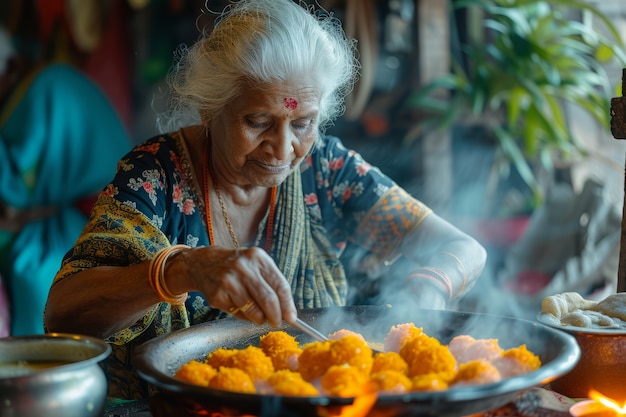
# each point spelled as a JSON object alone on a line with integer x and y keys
{"x": 318, "y": 336}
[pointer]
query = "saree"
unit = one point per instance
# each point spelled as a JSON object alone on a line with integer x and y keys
{"x": 60, "y": 140}
{"x": 154, "y": 201}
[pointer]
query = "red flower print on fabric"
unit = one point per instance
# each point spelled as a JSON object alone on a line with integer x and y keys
{"x": 110, "y": 190}
{"x": 363, "y": 169}
{"x": 147, "y": 186}
{"x": 311, "y": 199}
{"x": 346, "y": 194}
{"x": 335, "y": 164}
{"x": 177, "y": 194}
{"x": 152, "y": 148}
{"x": 188, "y": 206}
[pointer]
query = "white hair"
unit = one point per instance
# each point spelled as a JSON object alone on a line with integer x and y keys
{"x": 7, "y": 50}
{"x": 261, "y": 42}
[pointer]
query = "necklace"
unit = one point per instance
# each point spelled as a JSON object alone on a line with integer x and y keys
{"x": 231, "y": 230}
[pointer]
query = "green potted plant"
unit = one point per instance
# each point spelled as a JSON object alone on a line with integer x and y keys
{"x": 517, "y": 77}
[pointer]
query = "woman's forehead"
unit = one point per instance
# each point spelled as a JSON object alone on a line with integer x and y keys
{"x": 288, "y": 95}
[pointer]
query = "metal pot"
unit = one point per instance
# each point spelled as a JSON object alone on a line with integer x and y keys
{"x": 602, "y": 364}
{"x": 77, "y": 388}
{"x": 157, "y": 361}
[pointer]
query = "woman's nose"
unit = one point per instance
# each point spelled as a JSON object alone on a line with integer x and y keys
{"x": 281, "y": 144}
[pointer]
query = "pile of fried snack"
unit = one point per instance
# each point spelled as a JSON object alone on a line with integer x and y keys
{"x": 345, "y": 366}
{"x": 571, "y": 309}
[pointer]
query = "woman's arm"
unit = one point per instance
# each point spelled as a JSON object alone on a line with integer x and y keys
{"x": 103, "y": 300}
{"x": 445, "y": 255}
{"x": 100, "y": 301}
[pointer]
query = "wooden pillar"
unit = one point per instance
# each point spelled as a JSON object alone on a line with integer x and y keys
{"x": 618, "y": 129}
{"x": 433, "y": 34}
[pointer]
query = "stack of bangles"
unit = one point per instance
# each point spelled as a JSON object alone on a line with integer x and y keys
{"x": 156, "y": 275}
{"x": 441, "y": 278}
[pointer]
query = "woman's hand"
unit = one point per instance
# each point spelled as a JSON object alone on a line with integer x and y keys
{"x": 244, "y": 282}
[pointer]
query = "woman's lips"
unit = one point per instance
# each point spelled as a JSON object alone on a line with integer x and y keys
{"x": 277, "y": 169}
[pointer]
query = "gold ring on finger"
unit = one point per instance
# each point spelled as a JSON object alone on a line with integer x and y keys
{"x": 242, "y": 309}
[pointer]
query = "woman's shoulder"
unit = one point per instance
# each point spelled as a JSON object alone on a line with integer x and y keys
{"x": 328, "y": 147}
{"x": 160, "y": 149}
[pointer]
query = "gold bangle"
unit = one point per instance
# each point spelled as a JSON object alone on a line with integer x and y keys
{"x": 156, "y": 276}
{"x": 436, "y": 276}
{"x": 456, "y": 258}
{"x": 444, "y": 278}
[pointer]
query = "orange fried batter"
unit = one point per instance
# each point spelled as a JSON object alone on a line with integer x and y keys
{"x": 425, "y": 354}
{"x": 465, "y": 348}
{"x": 345, "y": 366}
{"x": 429, "y": 382}
{"x": 479, "y": 371}
{"x": 391, "y": 382}
{"x": 253, "y": 361}
{"x": 343, "y": 333}
{"x": 314, "y": 360}
{"x": 285, "y": 382}
{"x": 389, "y": 361}
{"x": 345, "y": 381}
{"x": 282, "y": 348}
{"x": 516, "y": 361}
{"x": 221, "y": 357}
{"x": 197, "y": 373}
{"x": 398, "y": 334}
{"x": 277, "y": 340}
{"x": 351, "y": 350}
{"x": 232, "y": 379}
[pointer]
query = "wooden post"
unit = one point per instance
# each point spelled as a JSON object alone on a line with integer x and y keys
{"x": 433, "y": 23}
{"x": 618, "y": 129}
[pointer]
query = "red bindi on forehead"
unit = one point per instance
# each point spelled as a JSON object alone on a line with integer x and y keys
{"x": 290, "y": 103}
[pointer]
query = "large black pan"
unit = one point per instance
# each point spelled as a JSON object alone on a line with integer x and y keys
{"x": 157, "y": 360}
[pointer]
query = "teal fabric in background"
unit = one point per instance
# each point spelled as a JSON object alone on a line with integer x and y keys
{"x": 60, "y": 140}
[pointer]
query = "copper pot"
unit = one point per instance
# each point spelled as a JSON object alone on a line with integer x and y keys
{"x": 602, "y": 364}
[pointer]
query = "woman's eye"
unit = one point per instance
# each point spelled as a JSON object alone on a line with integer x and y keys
{"x": 257, "y": 124}
{"x": 302, "y": 124}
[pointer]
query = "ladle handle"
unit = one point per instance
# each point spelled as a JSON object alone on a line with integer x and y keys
{"x": 305, "y": 328}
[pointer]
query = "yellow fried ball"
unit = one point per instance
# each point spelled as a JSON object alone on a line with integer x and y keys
{"x": 425, "y": 354}
{"x": 314, "y": 360}
{"x": 232, "y": 379}
{"x": 428, "y": 382}
{"x": 391, "y": 382}
{"x": 253, "y": 361}
{"x": 286, "y": 382}
{"x": 197, "y": 373}
{"x": 352, "y": 350}
{"x": 221, "y": 357}
{"x": 479, "y": 371}
{"x": 398, "y": 334}
{"x": 344, "y": 381}
{"x": 516, "y": 361}
{"x": 282, "y": 348}
{"x": 389, "y": 361}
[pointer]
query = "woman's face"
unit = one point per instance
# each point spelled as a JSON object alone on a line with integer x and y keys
{"x": 264, "y": 134}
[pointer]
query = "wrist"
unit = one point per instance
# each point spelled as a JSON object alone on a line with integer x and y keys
{"x": 432, "y": 278}
{"x": 425, "y": 293}
{"x": 157, "y": 276}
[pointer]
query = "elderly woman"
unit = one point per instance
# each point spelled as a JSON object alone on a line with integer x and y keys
{"x": 246, "y": 210}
